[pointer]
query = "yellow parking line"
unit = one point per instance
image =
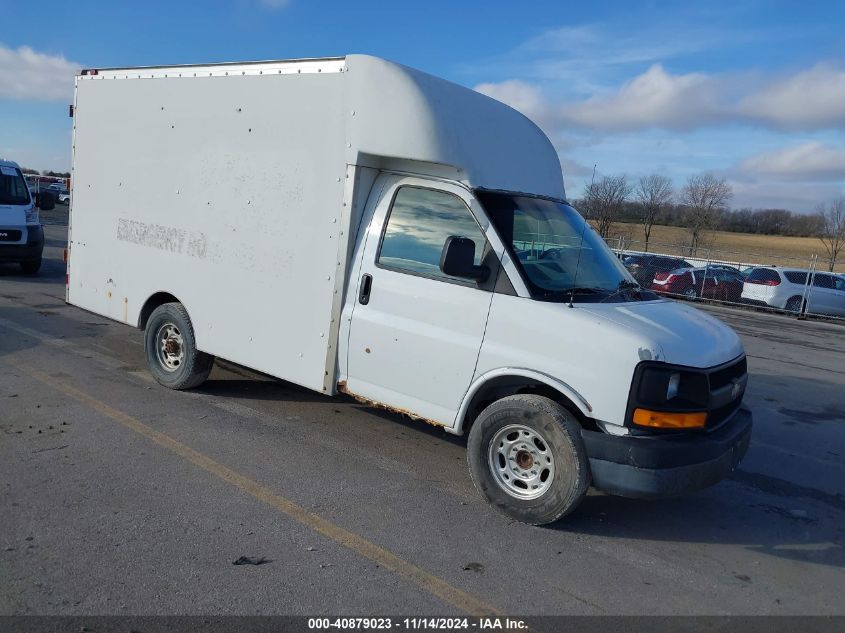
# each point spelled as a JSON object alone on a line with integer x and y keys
{"x": 358, "y": 544}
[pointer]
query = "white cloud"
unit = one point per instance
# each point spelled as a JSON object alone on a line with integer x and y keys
{"x": 775, "y": 194}
{"x": 652, "y": 99}
{"x": 596, "y": 46}
{"x": 26, "y": 74}
{"x": 810, "y": 99}
{"x": 590, "y": 59}
{"x": 808, "y": 161}
{"x": 518, "y": 95}
{"x": 572, "y": 169}
{"x": 681, "y": 96}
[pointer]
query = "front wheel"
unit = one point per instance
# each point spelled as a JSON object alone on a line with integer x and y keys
{"x": 527, "y": 458}
{"x": 171, "y": 351}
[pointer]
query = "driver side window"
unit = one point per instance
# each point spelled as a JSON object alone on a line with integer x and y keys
{"x": 417, "y": 227}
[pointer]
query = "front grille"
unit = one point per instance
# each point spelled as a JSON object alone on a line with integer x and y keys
{"x": 721, "y": 377}
{"x": 727, "y": 386}
{"x": 10, "y": 235}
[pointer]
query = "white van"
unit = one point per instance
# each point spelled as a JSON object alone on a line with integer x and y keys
{"x": 352, "y": 225}
{"x": 21, "y": 233}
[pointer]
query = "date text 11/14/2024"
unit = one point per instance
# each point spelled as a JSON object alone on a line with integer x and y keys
{"x": 420, "y": 623}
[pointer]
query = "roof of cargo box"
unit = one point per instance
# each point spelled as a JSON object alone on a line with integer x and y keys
{"x": 401, "y": 113}
{"x": 404, "y": 113}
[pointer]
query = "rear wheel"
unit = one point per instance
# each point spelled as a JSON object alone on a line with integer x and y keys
{"x": 795, "y": 305}
{"x": 690, "y": 293}
{"x": 170, "y": 349}
{"x": 526, "y": 457}
{"x": 32, "y": 267}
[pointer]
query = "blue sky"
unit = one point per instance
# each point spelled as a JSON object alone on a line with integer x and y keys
{"x": 753, "y": 91}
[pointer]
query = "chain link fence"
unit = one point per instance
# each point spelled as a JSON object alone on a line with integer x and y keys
{"x": 799, "y": 286}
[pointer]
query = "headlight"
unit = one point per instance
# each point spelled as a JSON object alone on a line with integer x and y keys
{"x": 659, "y": 387}
{"x": 668, "y": 397}
{"x": 32, "y": 215}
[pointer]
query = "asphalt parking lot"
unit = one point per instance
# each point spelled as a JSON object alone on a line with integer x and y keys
{"x": 121, "y": 497}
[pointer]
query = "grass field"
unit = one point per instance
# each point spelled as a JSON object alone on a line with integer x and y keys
{"x": 739, "y": 248}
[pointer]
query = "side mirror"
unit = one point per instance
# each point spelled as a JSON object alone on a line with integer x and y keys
{"x": 458, "y": 259}
{"x": 45, "y": 201}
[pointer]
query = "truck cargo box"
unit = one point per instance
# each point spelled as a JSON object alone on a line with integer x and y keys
{"x": 236, "y": 188}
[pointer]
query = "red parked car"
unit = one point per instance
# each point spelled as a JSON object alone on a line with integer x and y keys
{"x": 693, "y": 283}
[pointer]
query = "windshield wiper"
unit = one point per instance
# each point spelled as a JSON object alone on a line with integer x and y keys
{"x": 567, "y": 293}
{"x": 581, "y": 291}
{"x": 622, "y": 287}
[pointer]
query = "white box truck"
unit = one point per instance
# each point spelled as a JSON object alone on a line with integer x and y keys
{"x": 353, "y": 225}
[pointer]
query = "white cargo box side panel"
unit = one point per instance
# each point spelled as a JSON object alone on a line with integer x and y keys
{"x": 223, "y": 191}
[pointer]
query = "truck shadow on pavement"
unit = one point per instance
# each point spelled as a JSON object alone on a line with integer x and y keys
{"x": 760, "y": 513}
{"x": 250, "y": 388}
{"x": 733, "y": 512}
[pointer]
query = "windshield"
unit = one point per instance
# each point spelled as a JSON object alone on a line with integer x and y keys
{"x": 13, "y": 189}
{"x": 558, "y": 253}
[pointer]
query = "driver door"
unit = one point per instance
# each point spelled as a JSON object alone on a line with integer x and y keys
{"x": 415, "y": 332}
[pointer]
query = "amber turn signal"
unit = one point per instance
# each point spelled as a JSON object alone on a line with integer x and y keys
{"x": 665, "y": 420}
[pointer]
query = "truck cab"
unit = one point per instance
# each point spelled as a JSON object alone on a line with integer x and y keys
{"x": 21, "y": 233}
{"x": 505, "y": 315}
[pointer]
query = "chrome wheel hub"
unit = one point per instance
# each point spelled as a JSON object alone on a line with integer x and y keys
{"x": 169, "y": 347}
{"x": 521, "y": 461}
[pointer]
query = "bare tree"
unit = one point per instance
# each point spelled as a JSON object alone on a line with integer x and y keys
{"x": 705, "y": 197}
{"x": 832, "y": 234}
{"x": 605, "y": 200}
{"x": 654, "y": 193}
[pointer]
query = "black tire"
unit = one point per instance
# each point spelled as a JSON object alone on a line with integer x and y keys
{"x": 184, "y": 367}
{"x": 795, "y": 304}
{"x": 562, "y": 435}
{"x": 32, "y": 267}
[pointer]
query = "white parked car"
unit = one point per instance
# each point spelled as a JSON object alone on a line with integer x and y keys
{"x": 59, "y": 190}
{"x": 785, "y": 288}
{"x": 63, "y": 196}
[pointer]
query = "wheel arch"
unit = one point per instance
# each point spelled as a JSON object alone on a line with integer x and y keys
{"x": 508, "y": 381}
{"x": 154, "y": 301}
{"x": 794, "y": 297}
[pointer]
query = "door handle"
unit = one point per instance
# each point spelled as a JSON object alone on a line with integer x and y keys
{"x": 364, "y": 292}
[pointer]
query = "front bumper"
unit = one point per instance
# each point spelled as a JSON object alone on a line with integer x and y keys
{"x": 31, "y": 251}
{"x": 666, "y": 465}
